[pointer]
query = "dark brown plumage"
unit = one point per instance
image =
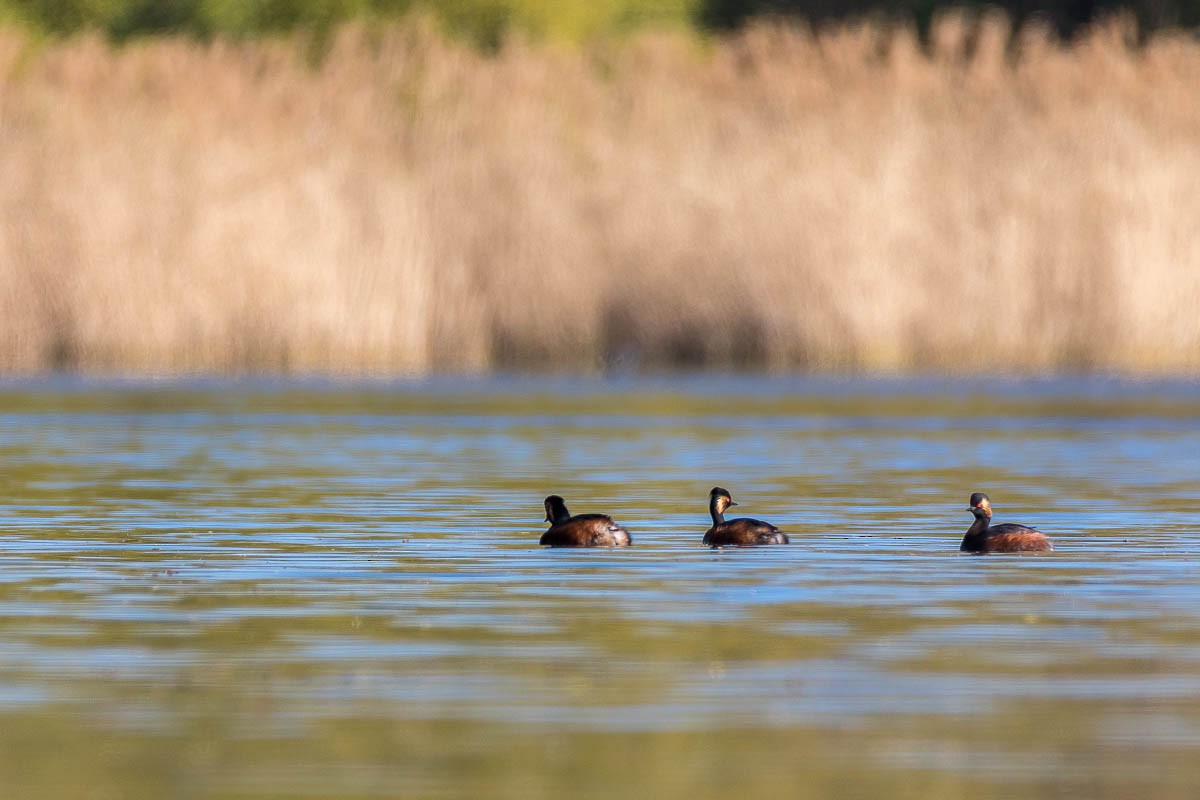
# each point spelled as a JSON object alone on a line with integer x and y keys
{"x": 983, "y": 537}
{"x": 582, "y": 530}
{"x": 741, "y": 532}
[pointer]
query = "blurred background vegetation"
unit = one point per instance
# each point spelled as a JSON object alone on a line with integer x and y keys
{"x": 1068, "y": 17}
{"x": 487, "y": 22}
{"x": 447, "y": 186}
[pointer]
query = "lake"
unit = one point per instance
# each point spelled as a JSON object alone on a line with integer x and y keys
{"x": 253, "y": 589}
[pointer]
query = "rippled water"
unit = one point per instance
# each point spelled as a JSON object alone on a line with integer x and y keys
{"x": 309, "y": 590}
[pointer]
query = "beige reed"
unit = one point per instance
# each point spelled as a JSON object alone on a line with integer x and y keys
{"x": 775, "y": 199}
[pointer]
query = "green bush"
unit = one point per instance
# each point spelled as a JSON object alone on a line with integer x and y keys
{"x": 486, "y": 22}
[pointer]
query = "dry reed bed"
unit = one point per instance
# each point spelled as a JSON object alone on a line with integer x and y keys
{"x": 774, "y": 199}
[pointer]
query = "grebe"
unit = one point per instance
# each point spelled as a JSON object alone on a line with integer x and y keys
{"x": 983, "y": 537}
{"x": 582, "y": 530}
{"x": 737, "y": 532}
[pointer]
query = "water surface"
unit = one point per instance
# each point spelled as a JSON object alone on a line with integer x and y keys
{"x": 256, "y": 590}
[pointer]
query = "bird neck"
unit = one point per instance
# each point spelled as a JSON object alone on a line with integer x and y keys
{"x": 558, "y": 513}
{"x": 979, "y": 527}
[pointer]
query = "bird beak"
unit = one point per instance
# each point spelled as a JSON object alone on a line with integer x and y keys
{"x": 733, "y": 503}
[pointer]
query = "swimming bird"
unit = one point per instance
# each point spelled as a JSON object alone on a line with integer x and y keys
{"x": 983, "y": 537}
{"x": 739, "y": 532}
{"x": 581, "y": 530}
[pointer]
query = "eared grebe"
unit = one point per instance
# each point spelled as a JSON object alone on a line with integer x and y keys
{"x": 982, "y": 537}
{"x": 737, "y": 532}
{"x": 583, "y": 530}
